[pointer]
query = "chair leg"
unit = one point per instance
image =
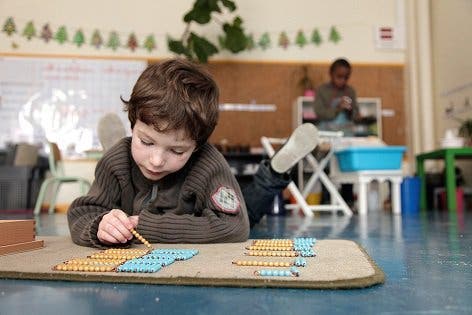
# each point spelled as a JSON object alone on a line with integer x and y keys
{"x": 84, "y": 187}
{"x": 52, "y": 203}
{"x": 42, "y": 195}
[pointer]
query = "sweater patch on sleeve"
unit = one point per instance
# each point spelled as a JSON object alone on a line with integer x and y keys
{"x": 226, "y": 200}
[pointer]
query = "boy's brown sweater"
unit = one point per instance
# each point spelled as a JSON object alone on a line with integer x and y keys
{"x": 180, "y": 208}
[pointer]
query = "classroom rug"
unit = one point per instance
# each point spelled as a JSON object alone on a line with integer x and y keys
{"x": 338, "y": 264}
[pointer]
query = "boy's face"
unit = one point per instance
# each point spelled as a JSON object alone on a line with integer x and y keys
{"x": 158, "y": 154}
{"x": 340, "y": 76}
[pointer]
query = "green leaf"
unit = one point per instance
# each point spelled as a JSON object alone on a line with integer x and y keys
{"x": 234, "y": 39}
{"x": 201, "y": 11}
{"x": 230, "y": 5}
{"x": 221, "y": 41}
{"x": 177, "y": 46}
{"x": 202, "y": 48}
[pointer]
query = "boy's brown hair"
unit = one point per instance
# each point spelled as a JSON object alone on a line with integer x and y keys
{"x": 175, "y": 94}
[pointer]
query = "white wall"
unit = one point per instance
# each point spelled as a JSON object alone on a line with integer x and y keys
{"x": 355, "y": 21}
{"x": 452, "y": 64}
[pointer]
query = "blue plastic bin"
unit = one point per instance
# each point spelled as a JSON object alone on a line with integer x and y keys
{"x": 370, "y": 158}
{"x": 410, "y": 194}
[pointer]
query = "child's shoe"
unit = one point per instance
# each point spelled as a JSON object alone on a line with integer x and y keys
{"x": 302, "y": 141}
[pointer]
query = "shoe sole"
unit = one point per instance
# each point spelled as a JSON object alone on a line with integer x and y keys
{"x": 302, "y": 141}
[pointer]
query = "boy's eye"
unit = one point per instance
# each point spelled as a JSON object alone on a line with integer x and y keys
{"x": 146, "y": 143}
{"x": 178, "y": 152}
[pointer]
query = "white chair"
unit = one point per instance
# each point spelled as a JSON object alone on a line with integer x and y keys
{"x": 110, "y": 130}
{"x": 337, "y": 202}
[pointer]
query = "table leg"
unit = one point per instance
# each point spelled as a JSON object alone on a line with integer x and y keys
{"x": 362, "y": 197}
{"x": 396, "y": 198}
{"x": 450, "y": 182}
{"x": 421, "y": 175}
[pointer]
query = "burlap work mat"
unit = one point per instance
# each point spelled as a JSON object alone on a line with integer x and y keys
{"x": 339, "y": 264}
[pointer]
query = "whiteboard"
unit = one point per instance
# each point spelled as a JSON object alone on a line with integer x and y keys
{"x": 61, "y": 100}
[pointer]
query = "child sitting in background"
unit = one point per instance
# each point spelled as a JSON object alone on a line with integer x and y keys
{"x": 166, "y": 181}
{"x": 336, "y": 103}
{"x": 336, "y": 109}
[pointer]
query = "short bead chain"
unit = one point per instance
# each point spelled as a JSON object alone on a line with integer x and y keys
{"x": 293, "y": 272}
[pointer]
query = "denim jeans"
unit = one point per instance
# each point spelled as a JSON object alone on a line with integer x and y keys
{"x": 259, "y": 194}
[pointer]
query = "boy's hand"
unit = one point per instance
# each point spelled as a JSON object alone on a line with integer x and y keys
{"x": 115, "y": 227}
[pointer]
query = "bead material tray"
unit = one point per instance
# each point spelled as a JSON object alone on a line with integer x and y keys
{"x": 338, "y": 264}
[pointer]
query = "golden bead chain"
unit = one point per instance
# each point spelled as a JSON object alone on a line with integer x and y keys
{"x": 270, "y": 253}
{"x": 251, "y": 263}
{"x": 76, "y": 267}
{"x": 269, "y": 248}
{"x": 142, "y": 239}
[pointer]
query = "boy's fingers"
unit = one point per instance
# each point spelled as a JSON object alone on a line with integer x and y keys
{"x": 118, "y": 230}
{"x": 114, "y": 225}
{"x": 106, "y": 238}
{"x": 134, "y": 220}
{"x": 123, "y": 217}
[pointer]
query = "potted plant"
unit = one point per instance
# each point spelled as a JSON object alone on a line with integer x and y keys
{"x": 198, "y": 47}
{"x": 306, "y": 83}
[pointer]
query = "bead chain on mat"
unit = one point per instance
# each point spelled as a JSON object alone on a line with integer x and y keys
{"x": 139, "y": 237}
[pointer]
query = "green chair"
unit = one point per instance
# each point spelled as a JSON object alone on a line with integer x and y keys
{"x": 57, "y": 179}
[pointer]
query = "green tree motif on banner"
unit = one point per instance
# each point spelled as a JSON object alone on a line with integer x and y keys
{"x": 316, "y": 37}
{"x": 9, "y": 27}
{"x": 132, "y": 42}
{"x": 300, "y": 39}
{"x": 334, "y": 35}
{"x": 97, "y": 39}
{"x": 150, "y": 43}
{"x": 264, "y": 41}
{"x": 79, "y": 38}
{"x": 46, "y": 33}
{"x": 250, "y": 42}
{"x": 284, "y": 41}
{"x": 113, "y": 41}
{"x": 29, "y": 31}
{"x": 61, "y": 35}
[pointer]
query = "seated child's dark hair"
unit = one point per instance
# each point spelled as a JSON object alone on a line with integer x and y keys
{"x": 341, "y": 62}
{"x": 175, "y": 94}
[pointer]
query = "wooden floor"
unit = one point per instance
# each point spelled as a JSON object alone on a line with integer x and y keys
{"x": 427, "y": 259}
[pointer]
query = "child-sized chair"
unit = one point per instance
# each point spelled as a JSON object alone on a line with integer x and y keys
{"x": 110, "y": 130}
{"x": 57, "y": 179}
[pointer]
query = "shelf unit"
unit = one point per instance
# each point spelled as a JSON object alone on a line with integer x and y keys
{"x": 370, "y": 110}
